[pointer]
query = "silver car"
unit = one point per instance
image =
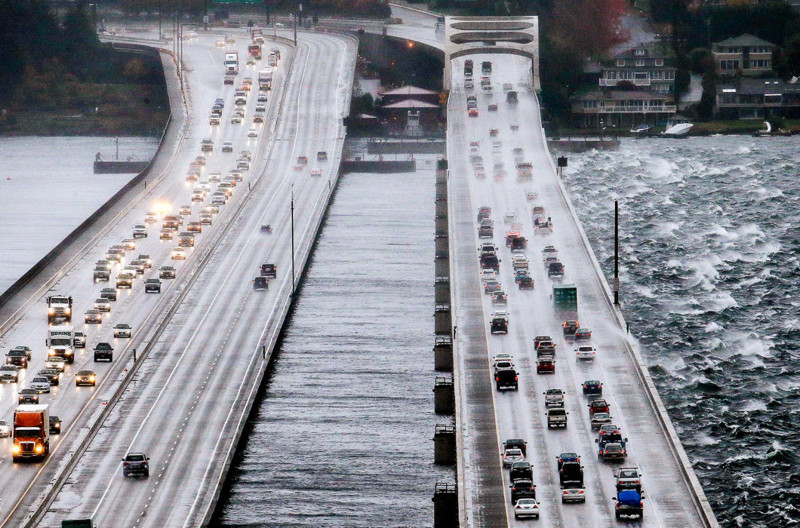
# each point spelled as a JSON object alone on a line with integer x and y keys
{"x": 40, "y": 384}
{"x": 5, "y": 429}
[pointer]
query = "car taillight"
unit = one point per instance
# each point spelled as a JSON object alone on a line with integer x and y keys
{"x": 518, "y": 507}
{"x": 516, "y": 378}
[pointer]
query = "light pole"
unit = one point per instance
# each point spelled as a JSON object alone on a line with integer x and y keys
{"x": 292, "y": 211}
{"x": 616, "y": 253}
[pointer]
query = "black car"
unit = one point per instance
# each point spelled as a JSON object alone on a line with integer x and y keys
{"x": 109, "y": 293}
{"x": 592, "y": 387}
{"x": 555, "y": 269}
{"x": 269, "y": 270}
{"x": 260, "y": 283}
{"x": 103, "y": 351}
{"x": 17, "y": 357}
{"x": 570, "y": 327}
{"x": 136, "y": 465}
{"x": 525, "y": 282}
{"x": 28, "y": 396}
{"x": 522, "y": 489}
{"x": 55, "y": 425}
{"x": 52, "y": 375}
{"x": 567, "y": 457}
{"x": 521, "y": 471}
{"x": 152, "y": 285}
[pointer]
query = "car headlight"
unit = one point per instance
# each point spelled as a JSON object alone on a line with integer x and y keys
{"x": 15, "y": 449}
{"x": 39, "y": 449}
{"x": 91, "y": 378}
{"x": 51, "y": 310}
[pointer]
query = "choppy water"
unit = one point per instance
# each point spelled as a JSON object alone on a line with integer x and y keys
{"x": 711, "y": 288}
{"x": 343, "y": 434}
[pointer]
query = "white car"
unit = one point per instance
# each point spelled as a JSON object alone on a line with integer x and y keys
{"x": 55, "y": 362}
{"x": 5, "y": 429}
{"x": 252, "y": 133}
{"x": 487, "y": 275}
{"x": 40, "y": 384}
{"x": 586, "y": 352}
{"x": 502, "y": 357}
{"x": 122, "y": 330}
{"x": 227, "y": 146}
{"x": 214, "y": 176}
{"x": 512, "y": 455}
{"x": 261, "y": 108}
{"x": 526, "y": 508}
{"x": 140, "y": 231}
{"x": 316, "y": 172}
{"x": 519, "y": 262}
{"x": 178, "y": 253}
{"x": 510, "y": 218}
{"x": 103, "y": 305}
{"x": 150, "y": 217}
{"x": 600, "y": 419}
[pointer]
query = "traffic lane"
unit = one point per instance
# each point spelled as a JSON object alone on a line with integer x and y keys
{"x": 244, "y": 341}
{"x": 503, "y": 200}
{"x": 591, "y": 299}
{"x": 176, "y": 187}
{"x": 631, "y": 410}
{"x": 484, "y": 491}
{"x": 229, "y": 325}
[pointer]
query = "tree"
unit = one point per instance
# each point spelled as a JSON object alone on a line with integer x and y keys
{"x": 682, "y": 81}
{"x": 588, "y": 27}
{"x": 701, "y": 61}
{"x": 787, "y": 59}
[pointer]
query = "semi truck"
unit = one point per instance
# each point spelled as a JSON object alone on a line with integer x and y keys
{"x": 31, "y": 432}
{"x": 59, "y": 307}
{"x": 265, "y": 79}
{"x": 232, "y": 62}
{"x": 60, "y": 341}
{"x": 254, "y": 50}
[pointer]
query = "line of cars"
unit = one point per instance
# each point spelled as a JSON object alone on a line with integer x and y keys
{"x": 611, "y": 446}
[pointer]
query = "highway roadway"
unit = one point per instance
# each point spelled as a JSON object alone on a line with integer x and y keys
{"x": 202, "y": 335}
{"x": 490, "y": 417}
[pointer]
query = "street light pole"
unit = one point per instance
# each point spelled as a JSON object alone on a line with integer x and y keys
{"x": 292, "y": 240}
{"x": 616, "y": 253}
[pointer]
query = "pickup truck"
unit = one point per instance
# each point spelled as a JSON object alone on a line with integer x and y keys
{"x": 506, "y": 380}
{"x": 557, "y": 417}
{"x": 553, "y": 398}
{"x": 629, "y": 504}
{"x": 629, "y": 478}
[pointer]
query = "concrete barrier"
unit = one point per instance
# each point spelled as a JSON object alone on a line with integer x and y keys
{"x": 443, "y": 353}
{"x": 443, "y": 396}
{"x": 119, "y": 167}
{"x": 378, "y": 167}
{"x": 442, "y": 290}
{"x": 436, "y": 146}
{"x": 445, "y": 505}
{"x": 444, "y": 444}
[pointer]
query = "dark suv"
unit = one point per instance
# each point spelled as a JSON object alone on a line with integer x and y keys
{"x": 269, "y": 270}
{"x": 522, "y": 489}
{"x": 136, "y": 464}
{"x": 17, "y": 357}
{"x": 103, "y": 351}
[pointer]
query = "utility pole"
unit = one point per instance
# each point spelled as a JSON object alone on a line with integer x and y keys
{"x": 616, "y": 253}
{"x": 159, "y": 20}
{"x": 292, "y": 240}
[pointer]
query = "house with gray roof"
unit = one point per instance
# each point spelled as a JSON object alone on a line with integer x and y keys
{"x": 746, "y": 98}
{"x": 743, "y": 55}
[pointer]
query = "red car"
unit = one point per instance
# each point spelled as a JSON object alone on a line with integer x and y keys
{"x": 598, "y": 406}
{"x": 546, "y": 366}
